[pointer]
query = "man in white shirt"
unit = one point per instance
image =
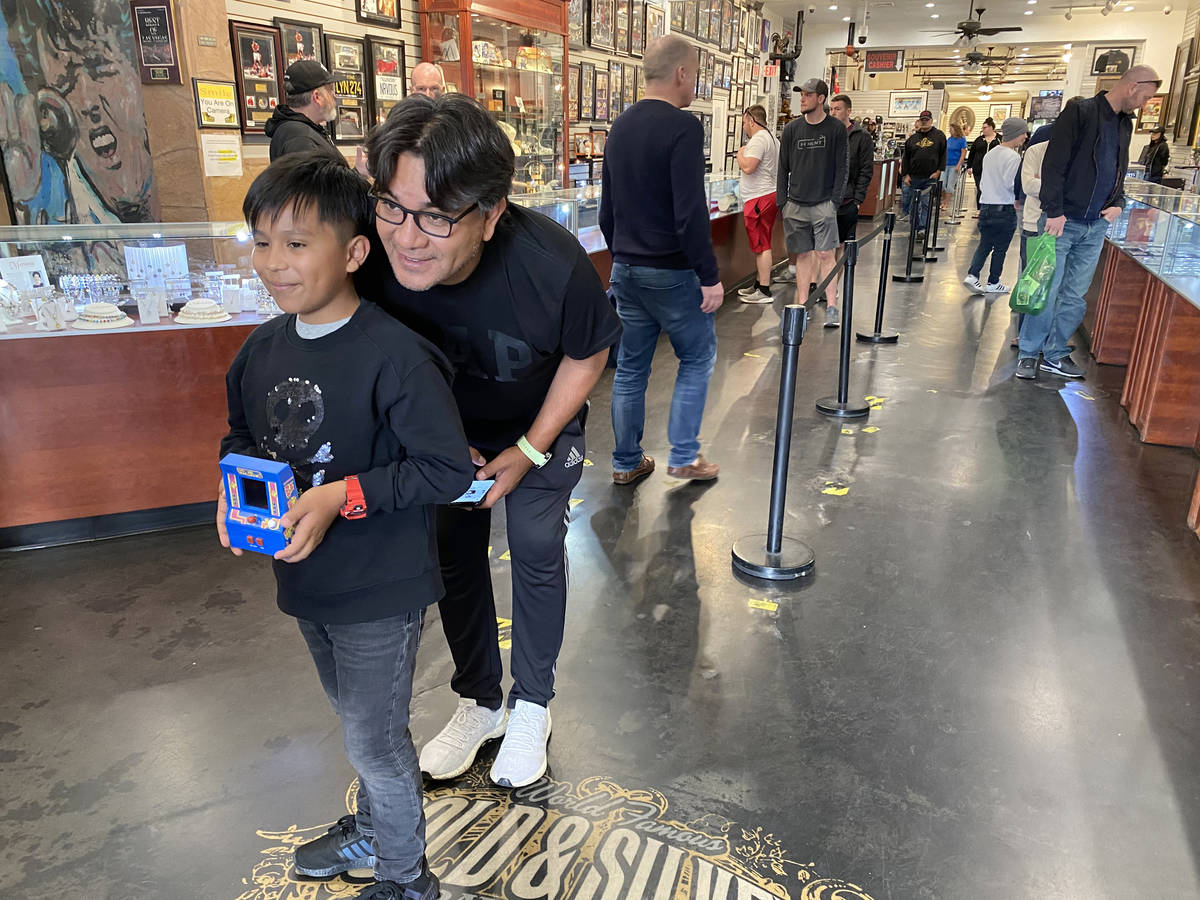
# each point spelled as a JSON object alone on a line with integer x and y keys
{"x": 997, "y": 206}
{"x": 758, "y": 159}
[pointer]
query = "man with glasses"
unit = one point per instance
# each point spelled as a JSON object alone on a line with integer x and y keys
{"x": 514, "y": 302}
{"x": 1082, "y": 192}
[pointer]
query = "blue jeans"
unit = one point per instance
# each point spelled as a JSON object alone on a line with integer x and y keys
{"x": 997, "y": 223}
{"x": 367, "y": 672}
{"x": 1077, "y": 250}
{"x": 650, "y": 301}
{"x": 908, "y": 191}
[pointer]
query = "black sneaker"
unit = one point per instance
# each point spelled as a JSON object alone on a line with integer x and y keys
{"x": 425, "y": 887}
{"x": 342, "y": 848}
{"x": 1065, "y": 367}
{"x": 1027, "y": 367}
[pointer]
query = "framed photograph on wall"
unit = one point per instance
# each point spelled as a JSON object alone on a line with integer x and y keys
{"x": 602, "y": 16}
{"x": 601, "y": 96}
{"x": 766, "y": 36}
{"x": 616, "y": 95}
{"x": 347, "y": 61}
{"x": 573, "y": 93}
{"x": 216, "y": 103}
{"x": 1112, "y": 60}
{"x": 1151, "y": 115}
{"x": 703, "y": 21}
{"x": 641, "y": 82}
{"x": 629, "y": 85}
{"x": 256, "y": 60}
{"x": 1183, "y": 61}
{"x": 378, "y": 12}
{"x": 1186, "y": 125}
{"x": 690, "y": 10}
{"x": 301, "y": 40}
{"x": 1000, "y": 111}
{"x": 577, "y": 24}
{"x": 587, "y": 91}
{"x": 906, "y": 104}
{"x": 637, "y": 28}
{"x": 386, "y": 63}
{"x": 677, "y": 15}
{"x": 621, "y": 34}
{"x": 656, "y": 20}
{"x": 154, "y": 37}
{"x": 599, "y": 138}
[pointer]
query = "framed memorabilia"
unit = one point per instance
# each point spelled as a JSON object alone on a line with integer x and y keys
{"x": 755, "y": 36}
{"x": 256, "y": 58}
{"x": 734, "y": 129}
{"x": 743, "y": 27}
{"x": 1151, "y": 115}
{"x": 1185, "y": 126}
{"x": 577, "y": 24}
{"x": 583, "y": 143}
{"x": 378, "y": 12}
{"x": 1111, "y": 60}
{"x": 1000, "y": 111}
{"x": 906, "y": 104}
{"x": 656, "y": 20}
{"x": 714, "y": 14}
{"x": 690, "y": 10}
{"x": 154, "y": 40}
{"x": 386, "y": 63}
{"x": 599, "y": 137}
{"x": 737, "y": 70}
{"x": 1106, "y": 82}
{"x": 677, "y": 15}
{"x": 601, "y": 114}
{"x": 587, "y": 91}
{"x": 766, "y": 36}
{"x": 347, "y": 58}
{"x": 702, "y": 20}
{"x": 615, "y": 98}
{"x": 706, "y": 124}
{"x": 573, "y": 93}
{"x": 725, "y": 41}
{"x": 710, "y": 76}
{"x": 629, "y": 85}
{"x": 641, "y": 83}
{"x": 621, "y": 34}
{"x": 216, "y": 103}
{"x": 637, "y": 28}
{"x": 602, "y": 17}
{"x": 1183, "y": 59}
{"x": 300, "y": 40}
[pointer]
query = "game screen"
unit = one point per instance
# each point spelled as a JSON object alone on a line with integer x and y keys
{"x": 254, "y": 493}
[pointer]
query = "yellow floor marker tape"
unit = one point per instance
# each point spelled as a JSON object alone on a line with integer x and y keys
{"x": 847, "y": 431}
{"x": 752, "y": 355}
{"x": 505, "y": 556}
{"x": 588, "y": 463}
{"x": 870, "y": 429}
{"x": 575, "y": 502}
{"x": 835, "y": 489}
{"x": 768, "y": 605}
{"x": 877, "y": 406}
{"x": 931, "y": 391}
{"x": 1084, "y": 396}
{"x": 504, "y": 626}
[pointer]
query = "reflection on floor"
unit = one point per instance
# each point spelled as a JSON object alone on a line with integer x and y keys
{"x": 983, "y": 691}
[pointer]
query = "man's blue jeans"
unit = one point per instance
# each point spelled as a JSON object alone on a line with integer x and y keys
{"x": 650, "y": 301}
{"x": 908, "y": 191}
{"x": 1077, "y": 250}
{"x": 367, "y": 672}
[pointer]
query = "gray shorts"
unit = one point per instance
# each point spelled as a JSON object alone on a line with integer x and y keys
{"x": 808, "y": 228}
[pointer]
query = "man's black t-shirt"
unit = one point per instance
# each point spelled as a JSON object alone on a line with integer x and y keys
{"x": 534, "y": 297}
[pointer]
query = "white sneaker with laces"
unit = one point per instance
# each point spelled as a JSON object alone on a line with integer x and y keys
{"x": 522, "y": 756}
{"x": 998, "y": 287}
{"x": 973, "y": 283}
{"x": 454, "y": 749}
{"x": 747, "y": 291}
{"x": 756, "y": 296}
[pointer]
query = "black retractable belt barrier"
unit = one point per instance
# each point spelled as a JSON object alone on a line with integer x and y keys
{"x": 878, "y": 337}
{"x": 840, "y": 406}
{"x": 774, "y": 556}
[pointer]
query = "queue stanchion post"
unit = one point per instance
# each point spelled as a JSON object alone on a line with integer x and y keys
{"x": 954, "y": 215}
{"x": 936, "y": 211}
{"x": 879, "y": 337}
{"x": 926, "y": 246}
{"x": 908, "y": 277}
{"x": 841, "y": 407}
{"x": 774, "y": 556}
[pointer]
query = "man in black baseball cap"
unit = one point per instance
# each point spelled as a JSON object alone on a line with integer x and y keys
{"x": 299, "y": 124}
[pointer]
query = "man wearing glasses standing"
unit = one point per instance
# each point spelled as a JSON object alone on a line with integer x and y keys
{"x": 1082, "y": 192}
{"x": 514, "y": 302}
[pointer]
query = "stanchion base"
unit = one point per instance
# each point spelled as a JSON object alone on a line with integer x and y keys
{"x": 909, "y": 279}
{"x": 927, "y": 259}
{"x": 938, "y": 249}
{"x": 795, "y": 559}
{"x": 848, "y": 410}
{"x": 877, "y": 338}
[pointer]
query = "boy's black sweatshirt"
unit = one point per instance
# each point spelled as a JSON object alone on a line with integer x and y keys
{"x": 371, "y": 399}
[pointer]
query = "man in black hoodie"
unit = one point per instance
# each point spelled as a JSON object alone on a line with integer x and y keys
{"x": 861, "y": 166}
{"x": 300, "y": 123}
{"x": 923, "y": 160}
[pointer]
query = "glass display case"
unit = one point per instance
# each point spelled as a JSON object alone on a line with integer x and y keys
{"x": 1160, "y": 228}
{"x": 86, "y": 279}
{"x": 514, "y": 67}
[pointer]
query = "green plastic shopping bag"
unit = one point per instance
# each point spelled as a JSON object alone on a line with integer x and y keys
{"x": 1032, "y": 291}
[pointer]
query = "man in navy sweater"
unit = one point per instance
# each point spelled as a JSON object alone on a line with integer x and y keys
{"x": 654, "y": 216}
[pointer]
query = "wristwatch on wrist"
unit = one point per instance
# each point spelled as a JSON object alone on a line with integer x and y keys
{"x": 356, "y": 504}
{"x": 537, "y": 458}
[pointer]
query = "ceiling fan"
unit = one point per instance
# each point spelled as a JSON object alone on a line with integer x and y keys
{"x": 972, "y": 27}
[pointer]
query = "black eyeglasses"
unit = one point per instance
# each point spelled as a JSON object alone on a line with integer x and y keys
{"x": 433, "y": 224}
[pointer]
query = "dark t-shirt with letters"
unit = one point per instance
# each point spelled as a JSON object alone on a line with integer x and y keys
{"x": 534, "y": 298}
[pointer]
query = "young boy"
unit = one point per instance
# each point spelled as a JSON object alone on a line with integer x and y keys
{"x": 361, "y": 408}
{"x": 997, "y": 207}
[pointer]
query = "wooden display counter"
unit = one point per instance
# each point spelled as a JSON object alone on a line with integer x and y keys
{"x": 1135, "y": 319}
{"x": 881, "y": 194}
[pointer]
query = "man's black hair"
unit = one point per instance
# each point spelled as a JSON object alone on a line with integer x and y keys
{"x": 468, "y": 159}
{"x": 311, "y": 181}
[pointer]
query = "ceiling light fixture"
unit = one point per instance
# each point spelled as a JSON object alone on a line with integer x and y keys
{"x": 847, "y": 19}
{"x": 1069, "y": 15}
{"x": 833, "y": 6}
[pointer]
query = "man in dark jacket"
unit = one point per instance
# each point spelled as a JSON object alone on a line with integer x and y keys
{"x": 861, "y": 165}
{"x": 922, "y": 163}
{"x": 300, "y": 123}
{"x": 979, "y": 147}
{"x": 1083, "y": 176}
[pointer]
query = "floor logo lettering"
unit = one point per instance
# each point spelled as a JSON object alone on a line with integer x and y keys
{"x": 594, "y": 840}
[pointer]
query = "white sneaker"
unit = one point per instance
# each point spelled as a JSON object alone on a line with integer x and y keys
{"x": 453, "y": 750}
{"x": 747, "y": 291}
{"x": 998, "y": 287}
{"x": 758, "y": 295}
{"x": 522, "y": 756}
{"x": 973, "y": 283}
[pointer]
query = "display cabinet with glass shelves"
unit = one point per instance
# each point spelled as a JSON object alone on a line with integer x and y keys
{"x": 511, "y": 58}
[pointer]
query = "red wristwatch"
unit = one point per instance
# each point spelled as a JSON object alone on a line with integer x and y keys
{"x": 356, "y": 504}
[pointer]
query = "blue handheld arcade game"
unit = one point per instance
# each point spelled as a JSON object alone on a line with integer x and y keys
{"x": 257, "y": 493}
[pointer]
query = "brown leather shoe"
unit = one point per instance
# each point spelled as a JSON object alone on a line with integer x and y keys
{"x": 645, "y": 467}
{"x": 697, "y": 471}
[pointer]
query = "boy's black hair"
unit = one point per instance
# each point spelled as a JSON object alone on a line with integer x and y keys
{"x": 311, "y": 181}
{"x": 467, "y": 157}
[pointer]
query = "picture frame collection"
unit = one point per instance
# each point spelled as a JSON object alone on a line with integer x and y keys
{"x": 728, "y": 37}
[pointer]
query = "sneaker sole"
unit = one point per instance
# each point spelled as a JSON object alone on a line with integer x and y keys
{"x": 505, "y": 783}
{"x": 490, "y": 736}
{"x": 1026, "y": 376}
{"x": 756, "y": 300}
{"x": 999, "y": 290}
{"x": 629, "y": 481}
{"x": 365, "y": 866}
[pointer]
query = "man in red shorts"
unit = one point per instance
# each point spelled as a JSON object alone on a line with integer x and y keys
{"x": 758, "y": 159}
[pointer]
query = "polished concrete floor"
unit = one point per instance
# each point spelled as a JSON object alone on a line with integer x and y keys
{"x": 985, "y": 690}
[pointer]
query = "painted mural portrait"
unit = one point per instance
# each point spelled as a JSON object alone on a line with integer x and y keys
{"x": 71, "y": 122}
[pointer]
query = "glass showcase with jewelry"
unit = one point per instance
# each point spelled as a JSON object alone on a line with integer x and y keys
{"x": 1160, "y": 228}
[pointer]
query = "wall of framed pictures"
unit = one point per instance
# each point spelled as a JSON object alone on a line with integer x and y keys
{"x": 607, "y": 40}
